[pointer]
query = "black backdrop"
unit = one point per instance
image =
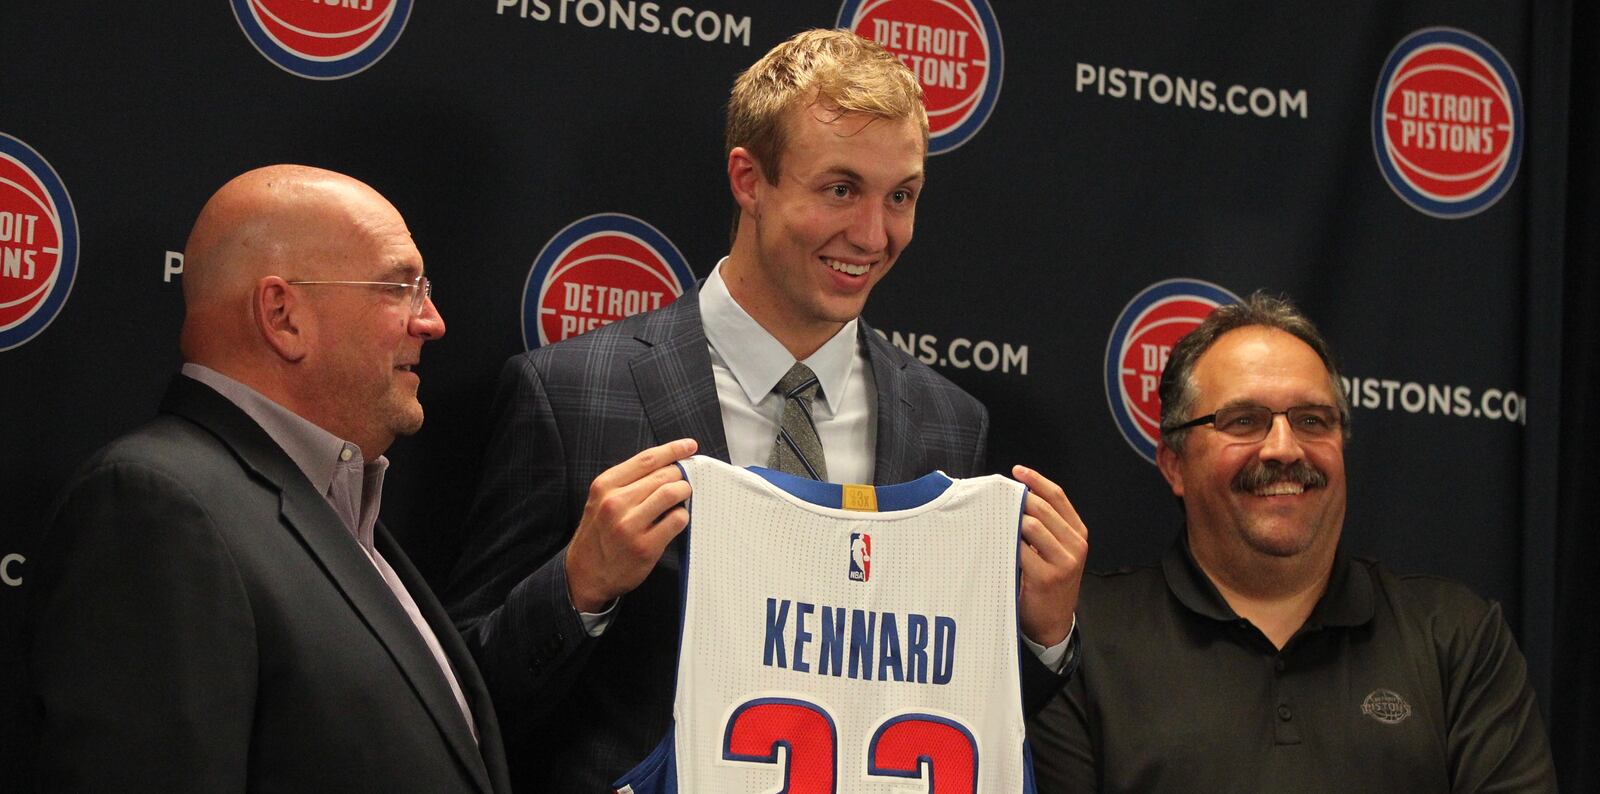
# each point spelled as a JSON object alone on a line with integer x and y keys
{"x": 1104, "y": 169}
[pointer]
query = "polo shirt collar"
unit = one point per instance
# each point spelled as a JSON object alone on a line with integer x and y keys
{"x": 757, "y": 359}
{"x": 1190, "y": 585}
{"x": 1348, "y": 601}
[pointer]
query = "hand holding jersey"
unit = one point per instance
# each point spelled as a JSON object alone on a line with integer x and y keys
{"x": 631, "y": 515}
{"x": 635, "y": 509}
{"x": 1055, "y": 544}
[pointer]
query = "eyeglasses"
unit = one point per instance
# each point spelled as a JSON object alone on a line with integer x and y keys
{"x": 1251, "y": 423}
{"x": 421, "y": 287}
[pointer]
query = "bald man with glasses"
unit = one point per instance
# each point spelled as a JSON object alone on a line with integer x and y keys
{"x": 1257, "y": 657}
{"x": 217, "y": 606}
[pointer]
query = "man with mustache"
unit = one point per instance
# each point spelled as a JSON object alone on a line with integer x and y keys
{"x": 1256, "y": 656}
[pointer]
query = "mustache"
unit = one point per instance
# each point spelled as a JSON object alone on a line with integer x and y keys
{"x": 1260, "y": 474}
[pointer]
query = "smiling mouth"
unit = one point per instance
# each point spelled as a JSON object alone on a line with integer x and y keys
{"x": 846, "y": 267}
{"x": 1280, "y": 489}
{"x": 1276, "y": 479}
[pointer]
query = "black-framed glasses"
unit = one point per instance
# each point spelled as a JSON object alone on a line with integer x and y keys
{"x": 421, "y": 288}
{"x": 1251, "y": 423}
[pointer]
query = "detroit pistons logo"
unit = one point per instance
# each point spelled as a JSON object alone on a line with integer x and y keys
{"x": 1137, "y": 351}
{"x": 38, "y": 243}
{"x": 952, "y": 46}
{"x": 598, "y": 270}
{"x": 1386, "y": 706}
{"x": 322, "y": 39}
{"x": 1447, "y": 123}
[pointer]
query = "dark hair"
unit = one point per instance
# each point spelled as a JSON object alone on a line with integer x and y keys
{"x": 1260, "y": 309}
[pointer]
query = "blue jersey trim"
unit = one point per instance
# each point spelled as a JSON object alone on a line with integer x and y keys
{"x": 903, "y": 496}
{"x": 657, "y": 773}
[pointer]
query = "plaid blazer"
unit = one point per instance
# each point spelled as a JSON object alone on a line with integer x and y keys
{"x": 579, "y": 711}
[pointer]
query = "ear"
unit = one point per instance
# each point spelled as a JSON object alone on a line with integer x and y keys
{"x": 745, "y": 180}
{"x": 279, "y": 316}
{"x": 1171, "y": 467}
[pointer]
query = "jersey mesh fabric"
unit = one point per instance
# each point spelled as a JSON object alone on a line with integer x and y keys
{"x": 765, "y": 700}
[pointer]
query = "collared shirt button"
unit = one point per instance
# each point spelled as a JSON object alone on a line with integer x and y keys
{"x": 345, "y": 454}
{"x": 1284, "y": 713}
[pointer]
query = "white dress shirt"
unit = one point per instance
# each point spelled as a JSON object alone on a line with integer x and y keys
{"x": 748, "y": 362}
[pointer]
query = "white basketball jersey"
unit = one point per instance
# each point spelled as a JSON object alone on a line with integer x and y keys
{"x": 825, "y": 649}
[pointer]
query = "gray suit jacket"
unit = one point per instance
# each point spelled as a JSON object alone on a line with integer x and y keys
{"x": 202, "y": 621}
{"x": 581, "y": 711}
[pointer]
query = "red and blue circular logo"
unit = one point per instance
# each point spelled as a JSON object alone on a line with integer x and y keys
{"x": 322, "y": 39}
{"x": 598, "y": 270}
{"x": 1447, "y": 123}
{"x": 953, "y": 47}
{"x": 1137, "y": 351}
{"x": 38, "y": 243}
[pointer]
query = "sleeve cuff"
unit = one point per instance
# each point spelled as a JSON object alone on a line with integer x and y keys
{"x": 1055, "y": 657}
{"x": 595, "y": 623}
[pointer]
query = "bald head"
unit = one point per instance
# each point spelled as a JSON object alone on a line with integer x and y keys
{"x": 293, "y": 221}
{"x": 304, "y": 284}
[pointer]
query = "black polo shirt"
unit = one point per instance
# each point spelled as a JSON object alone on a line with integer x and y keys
{"x": 1395, "y": 683}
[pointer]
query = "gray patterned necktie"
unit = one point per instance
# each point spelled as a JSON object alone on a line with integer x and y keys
{"x": 798, "y": 450}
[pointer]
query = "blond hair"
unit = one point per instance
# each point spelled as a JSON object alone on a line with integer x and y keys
{"x": 834, "y": 69}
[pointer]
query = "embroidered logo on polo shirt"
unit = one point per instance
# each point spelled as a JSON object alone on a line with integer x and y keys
{"x": 1386, "y": 707}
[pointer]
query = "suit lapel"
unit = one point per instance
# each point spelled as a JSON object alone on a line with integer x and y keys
{"x": 310, "y": 517}
{"x": 487, "y": 750}
{"x": 899, "y": 446}
{"x": 674, "y": 380}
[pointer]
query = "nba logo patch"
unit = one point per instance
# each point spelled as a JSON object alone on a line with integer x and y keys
{"x": 598, "y": 270}
{"x": 324, "y": 40}
{"x": 38, "y": 243}
{"x": 860, "y": 557}
{"x": 954, "y": 49}
{"x": 1137, "y": 350}
{"x": 1447, "y": 124}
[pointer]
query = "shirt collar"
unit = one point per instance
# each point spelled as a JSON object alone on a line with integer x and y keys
{"x": 316, "y": 452}
{"x": 757, "y": 359}
{"x": 1190, "y": 585}
{"x": 1348, "y": 601}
